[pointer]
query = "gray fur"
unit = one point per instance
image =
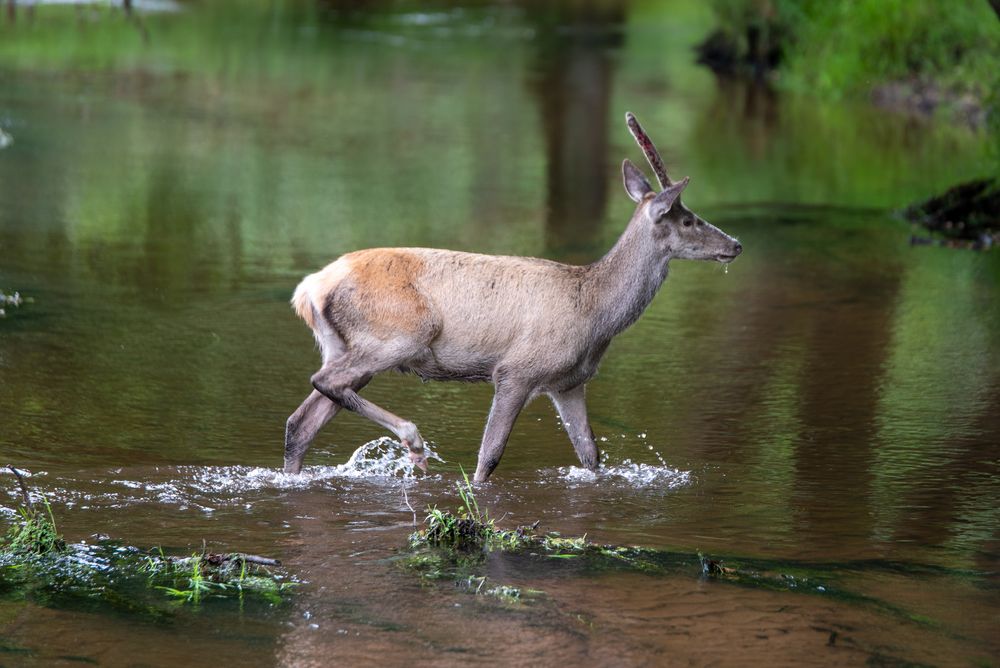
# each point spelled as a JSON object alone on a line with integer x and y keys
{"x": 529, "y": 326}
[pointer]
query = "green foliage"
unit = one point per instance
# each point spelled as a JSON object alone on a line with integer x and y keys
{"x": 197, "y": 584}
{"x": 441, "y": 552}
{"x": 202, "y": 575}
{"x": 467, "y": 529}
{"x": 34, "y": 534}
{"x": 34, "y": 557}
{"x": 37, "y": 564}
{"x": 843, "y": 47}
{"x": 108, "y": 576}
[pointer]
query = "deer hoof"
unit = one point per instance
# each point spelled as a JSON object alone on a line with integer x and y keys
{"x": 419, "y": 459}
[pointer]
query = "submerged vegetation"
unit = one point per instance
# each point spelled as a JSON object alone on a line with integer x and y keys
{"x": 35, "y": 533}
{"x": 37, "y": 564}
{"x": 204, "y": 575}
{"x": 459, "y": 547}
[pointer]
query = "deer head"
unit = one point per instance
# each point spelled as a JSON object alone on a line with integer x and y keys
{"x": 677, "y": 231}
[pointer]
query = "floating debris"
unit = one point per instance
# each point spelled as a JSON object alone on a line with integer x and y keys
{"x": 6, "y": 139}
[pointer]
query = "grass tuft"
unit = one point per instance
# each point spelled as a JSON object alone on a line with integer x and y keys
{"x": 469, "y": 528}
{"x": 34, "y": 534}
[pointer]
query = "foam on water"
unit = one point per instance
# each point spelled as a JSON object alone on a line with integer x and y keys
{"x": 629, "y": 474}
{"x": 382, "y": 461}
{"x": 379, "y": 460}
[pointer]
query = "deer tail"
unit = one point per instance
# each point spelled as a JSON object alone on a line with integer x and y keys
{"x": 302, "y": 303}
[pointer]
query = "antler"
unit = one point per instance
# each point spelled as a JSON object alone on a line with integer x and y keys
{"x": 652, "y": 156}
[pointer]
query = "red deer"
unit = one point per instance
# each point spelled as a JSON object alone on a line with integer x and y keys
{"x": 529, "y": 326}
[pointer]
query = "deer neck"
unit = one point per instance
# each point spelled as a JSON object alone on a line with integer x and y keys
{"x": 626, "y": 279}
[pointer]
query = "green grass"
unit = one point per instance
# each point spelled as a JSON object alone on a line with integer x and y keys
{"x": 202, "y": 575}
{"x": 844, "y": 47}
{"x": 469, "y": 528}
{"x": 35, "y": 533}
{"x": 847, "y": 46}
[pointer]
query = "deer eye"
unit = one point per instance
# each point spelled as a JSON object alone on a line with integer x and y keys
{"x": 687, "y": 222}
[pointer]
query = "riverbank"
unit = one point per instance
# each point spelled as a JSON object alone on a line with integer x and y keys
{"x": 927, "y": 57}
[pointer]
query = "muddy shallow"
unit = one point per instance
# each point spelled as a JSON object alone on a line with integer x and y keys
{"x": 828, "y": 401}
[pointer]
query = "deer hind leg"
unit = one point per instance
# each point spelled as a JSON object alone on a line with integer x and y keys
{"x": 302, "y": 427}
{"x": 572, "y": 407}
{"x": 340, "y": 384}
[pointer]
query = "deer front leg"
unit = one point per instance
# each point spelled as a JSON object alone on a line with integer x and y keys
{"x": 572, "y": 407}
{"x": 508, "y": 400}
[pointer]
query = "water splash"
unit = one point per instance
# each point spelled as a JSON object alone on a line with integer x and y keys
{"x": 206, "y": 488}
{"x": 629, "y": 474}
{"x": 380, "y": 460}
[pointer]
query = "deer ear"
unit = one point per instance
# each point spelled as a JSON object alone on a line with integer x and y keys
{"x": 663, "y": 202}
{"x": 636, "y": 184}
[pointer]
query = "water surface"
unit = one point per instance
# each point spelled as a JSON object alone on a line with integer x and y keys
{"x": 829, "y": 400}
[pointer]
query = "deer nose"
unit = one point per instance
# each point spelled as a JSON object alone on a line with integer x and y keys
{"x": 738, "y": 249}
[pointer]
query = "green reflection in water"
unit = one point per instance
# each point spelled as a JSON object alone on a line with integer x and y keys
{"x": 832, "y": 393}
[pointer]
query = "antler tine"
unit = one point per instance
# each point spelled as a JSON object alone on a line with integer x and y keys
{"x": 646, "y": 144}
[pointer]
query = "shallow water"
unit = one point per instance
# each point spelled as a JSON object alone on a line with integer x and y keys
{"x": 830, "y": 401}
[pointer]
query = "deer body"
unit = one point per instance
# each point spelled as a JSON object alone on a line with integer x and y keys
{"x": 530, "y": 326}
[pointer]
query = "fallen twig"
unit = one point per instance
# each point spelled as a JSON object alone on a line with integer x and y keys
{"x": 24, "y": 488}
{"x": 221, "y": 559}
{"x": 406, "y": 499}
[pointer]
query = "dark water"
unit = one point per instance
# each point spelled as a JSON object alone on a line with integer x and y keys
{"x": 832, "y": 399}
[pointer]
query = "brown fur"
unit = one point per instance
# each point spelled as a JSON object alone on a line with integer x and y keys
{"x": 530, "y": 326}
{"x": 384, "y": 282}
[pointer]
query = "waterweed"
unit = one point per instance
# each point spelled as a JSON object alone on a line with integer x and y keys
{"x": 37, "y": 564}
{"x": 205, "y": 575}
{"x": 34, "y": 534}
{"x": 469, "y": 528}
{"x": 464, "y": 546}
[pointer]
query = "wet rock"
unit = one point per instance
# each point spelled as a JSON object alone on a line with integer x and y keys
{"x": 924, "y": 97}
{"x": 757, "y": 52}
{"x": 968, "y": 212}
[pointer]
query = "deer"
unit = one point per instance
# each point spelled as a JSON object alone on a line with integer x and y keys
{"x": 529, "y": 326}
